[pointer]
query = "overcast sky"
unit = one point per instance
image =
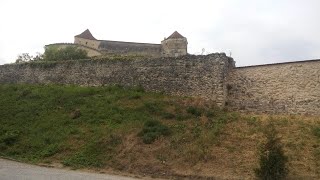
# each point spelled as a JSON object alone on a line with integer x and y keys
{"x": 254, "y": 31}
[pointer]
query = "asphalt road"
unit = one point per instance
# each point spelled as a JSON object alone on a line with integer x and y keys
{"x": 11, "y": 170}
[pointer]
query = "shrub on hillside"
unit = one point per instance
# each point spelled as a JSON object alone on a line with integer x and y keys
{"x": 54, "y": 54}
{"x": 9, "y": 138}
{"x": 273, "y": 161}
{"x": 153, "y": 107}
{"x": 26, "y": 57}
{"x": 316, "y": 131}
{"x": 153, "y": 130}
{"x": 194, "y": 111}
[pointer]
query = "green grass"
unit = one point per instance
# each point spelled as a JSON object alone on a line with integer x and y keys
{"x": 86, "y": 126}
{"x": 129, "y": 129}
{"x": 39, "y": 121}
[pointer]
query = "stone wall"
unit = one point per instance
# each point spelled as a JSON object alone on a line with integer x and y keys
{"x": 200, "y": 76}
{"x": 292, "y": 88}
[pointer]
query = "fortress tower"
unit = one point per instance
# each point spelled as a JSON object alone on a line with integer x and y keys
{"x": 86, "y": 39}
{"x": 175, "y": 45}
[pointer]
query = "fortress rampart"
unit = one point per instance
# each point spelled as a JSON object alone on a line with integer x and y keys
{"x": 197, "y": 76}
{"x": 285, "y": 88}
{"x": 292, "y": 88}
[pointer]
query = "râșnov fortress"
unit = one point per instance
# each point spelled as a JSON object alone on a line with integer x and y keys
{"x": 281, "y": 88}
{"x": 173, "y": 46}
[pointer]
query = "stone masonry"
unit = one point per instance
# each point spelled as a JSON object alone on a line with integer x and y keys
{"x": 292, "y": 88}
{"x": 196, "y": 76}
{"x": 283, "y": 88}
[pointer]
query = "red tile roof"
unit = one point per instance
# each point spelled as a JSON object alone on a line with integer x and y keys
{"x": 175, "y": 35}
{"x": 86, "y": 35}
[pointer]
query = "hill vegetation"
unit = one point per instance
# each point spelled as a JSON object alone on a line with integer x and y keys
{"x": 54, "y": 54}
{"x": 129, "y": 130}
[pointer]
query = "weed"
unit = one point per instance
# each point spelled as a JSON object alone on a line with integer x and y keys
{"x": 196, "y": 131}
{"x": 162, "y": 157}
{"x": 153, "y": 107}
{"x": 194, "y": 111}
{"x": 252, "y": 121}
{"x": 50, "y": 150}
{"x": 152, "y": 130}
{"x": 94, "y": 154}
{"x": 139, "y": 89}
{"x": 167, "y": 115}
{"x": 135, "y": 95}
{"x": 231, "y": 149}
{"x": 210, "y": 114}
{"x": 316, "y": 131}
{"x": 9, "y": 138}
{"x": 179, "y": 128}
{"x": 182, "y": 117}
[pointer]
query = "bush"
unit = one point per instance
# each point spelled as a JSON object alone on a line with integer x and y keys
{"x": 153, "y": 107}
{"x": 316, "y": 132}
{"x": 9, "y": 138}
{"x": 68, "y": 53}
{"x": 273, "y": 161}
{"x": 26, "y": 57}
{"x": 153, "y": 130}
{"x": 194, "y": 111}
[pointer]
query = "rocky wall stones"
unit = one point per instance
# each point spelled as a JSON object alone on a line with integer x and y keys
{"x": 292, "y": 88}
{"x": 197, "y": 76}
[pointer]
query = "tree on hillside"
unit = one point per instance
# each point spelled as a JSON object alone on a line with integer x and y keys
{"x": 54, "y": 54}
{"x": 26, "y": 57}
{"x": 68, "y": 53}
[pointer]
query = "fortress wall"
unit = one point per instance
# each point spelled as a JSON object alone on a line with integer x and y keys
{"x": 91, "y": 52}
{"x": 292, "y": 88}
{"x": 118, "y": 47}
{"x": 201, "y": 76}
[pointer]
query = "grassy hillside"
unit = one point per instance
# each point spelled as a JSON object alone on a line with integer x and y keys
{"x": 144, "y": 133}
